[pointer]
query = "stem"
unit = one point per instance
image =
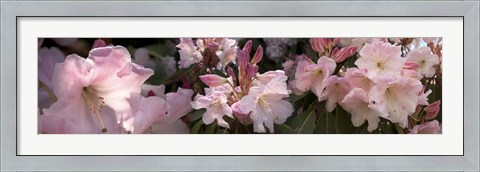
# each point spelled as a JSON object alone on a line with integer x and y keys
{"x": 48, "y": 90}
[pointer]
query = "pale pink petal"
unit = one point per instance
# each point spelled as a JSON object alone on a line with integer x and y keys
{"x": 146, "y": 111}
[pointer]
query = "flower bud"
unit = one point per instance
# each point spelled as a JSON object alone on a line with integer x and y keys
{"x": 99, "y": 43}
{"x": 410, "y": 65}
{"x": 342, "y": 54}
{"x": 319, "y": 44}
{"x": 243, "y": 59}
{"x": 247, "y": 47}
{"x": 432, "y": 110}
{"x": 213, "y": 46}
{"x": 258, "y": 55}
{"x": 231, "y": 74}
{"x": 213, "y": 80}
{"x": 334, "y": 42}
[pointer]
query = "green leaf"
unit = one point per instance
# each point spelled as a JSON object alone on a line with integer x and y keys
{"x": 309, "y": 99}
{"x": 326, "y": 122}
{"x": 308, "y": 125}
{"x": 196, "y": 129}
{"x": 284, "y": 129}
{"x": 223, "y": 131}
{"x": 399, "y": 129}
{"x": 211, "y": 128}
{"x": 196, "y": 114}
{"x": 343, "y": 121}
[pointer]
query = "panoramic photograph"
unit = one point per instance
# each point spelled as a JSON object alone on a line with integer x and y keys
{"x": 355, "y": 85}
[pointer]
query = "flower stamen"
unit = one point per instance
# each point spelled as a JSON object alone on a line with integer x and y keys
{"x": 95, "y": 103}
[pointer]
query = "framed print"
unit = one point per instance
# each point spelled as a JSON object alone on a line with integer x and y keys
{"x": 222, "y": 85}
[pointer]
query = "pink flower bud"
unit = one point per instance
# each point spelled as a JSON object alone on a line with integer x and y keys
{"x": 319, "y": 44}
{"x": 430, "y": 127}
{"x": 243, "y": 59}
{"x": 231, "y": 74}
{"x": 335, "y": 41}
{"x": 410, "y": 65}
{"x": 258, "y": 55}
{"x": 213, "y": 80}
{"x": 99, "y": 43}
{"x": 247, "y": 47}
{"x": 342, "y": 54}
{"x": 213, "y": 46}
{"x": 432, "y": 110}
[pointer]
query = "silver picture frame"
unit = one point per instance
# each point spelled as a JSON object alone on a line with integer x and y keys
{"x": 11, "y": 10}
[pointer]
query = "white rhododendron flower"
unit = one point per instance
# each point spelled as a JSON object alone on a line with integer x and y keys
{"x": 395, "y": 98}
{"x": 266, "y": 104}
{"x": 189, "y": 53}
{"x": 426, "y": 61}
{"x": 356, "y": 102}
{"x": 311, "y": 76}
{"x": 226, "y": 52}
{"x": 380, "y": 59}
{"x": 216, "y": 105}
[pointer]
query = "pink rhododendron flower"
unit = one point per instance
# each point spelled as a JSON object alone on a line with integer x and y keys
{"x": 395, "y": 98}
{"x": 47, "y": 58}
{"x": 94, "y": 91}
{"x": 432, "y": 110}
{"x": 337, "y": 88}
{"x": 425, "y": 60}
{"x": 431, "y": 127}
{"x": 288, "y": 65}
{"x": 189, "y": 53}
{"x": 145, "y": 111}
{"x": 292, "y": 85}
{"x": 410, "y": 65}
{"x": 380, "y": 59}
{"x": 311, "y": 76}
{"x": 217, "y": 107}
{"x": 423, "y": 97}
{"x": 266, "y": 77}
{"x": 266, "y": 105}
{"x": 142, "y": 57}
{"x": 356, "y": 102}
{"x": 226, "y": 52}
{"x": 360, "y": 42}
{"x": 357, "y": 78}
{"x": 99, "y": 43}
{"x": 177, "y": 105}
{"x": 409, "y": 73}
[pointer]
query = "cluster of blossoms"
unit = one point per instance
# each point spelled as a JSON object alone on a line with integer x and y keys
{"x": 224, "y": 49}
{"x": 382, "y": 85}
{"x": 210, "y": 85}
{"x": 250, "y": 97}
